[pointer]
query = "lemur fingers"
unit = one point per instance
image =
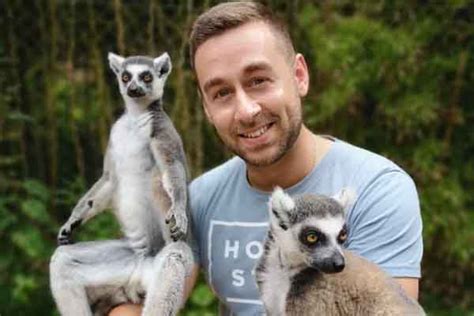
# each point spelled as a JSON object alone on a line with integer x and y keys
{"x": 177, "y": 222}
{"x": 65, "y": 233}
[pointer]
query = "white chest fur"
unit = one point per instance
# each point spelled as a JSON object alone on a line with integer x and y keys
{"x": 276, "y": 284}
{"x": 133, "y": 165}
{"x": 130, "y": 141}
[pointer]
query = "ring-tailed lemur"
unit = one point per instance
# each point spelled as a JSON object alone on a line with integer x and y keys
{"x": 144, "y": 182}
{"x": 305, "y": 271}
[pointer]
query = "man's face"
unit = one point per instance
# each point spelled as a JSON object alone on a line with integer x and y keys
{"x": 251, "y": 91}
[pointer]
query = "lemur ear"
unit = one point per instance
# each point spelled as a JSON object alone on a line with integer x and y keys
{"x": 115, "y": 62}
{"x": 346, "y": 197}
{"x": 280, "y": 206}
{"x": 162, "y": 65}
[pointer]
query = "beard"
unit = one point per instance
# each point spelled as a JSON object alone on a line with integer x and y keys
{"x": 285, "y": 143}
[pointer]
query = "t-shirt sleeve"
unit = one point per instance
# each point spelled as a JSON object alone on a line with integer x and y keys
{"x": 385, "y": 224}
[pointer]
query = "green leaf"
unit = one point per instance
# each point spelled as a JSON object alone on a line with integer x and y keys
{"x": 36, "y": 210}
{"x": 202, "y": 296}
{"x": 24, "y": 286}
{"x": 36, "y": 189}
{"x": 7, "y": 217}
{"x": 31, "y": 242}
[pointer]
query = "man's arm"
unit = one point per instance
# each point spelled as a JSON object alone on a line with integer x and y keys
{"x": 410, "y": 285}
{"x": 190, "y": 282}
{"x": 136, "y": 310}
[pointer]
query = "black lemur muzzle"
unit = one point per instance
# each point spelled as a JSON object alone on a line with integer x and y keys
{"x": 332, "y": 264}
{"x": 134, "y": 91}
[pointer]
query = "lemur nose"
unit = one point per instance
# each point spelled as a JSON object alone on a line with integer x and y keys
{"x": 134, "y": 90}
{"x": 133, "y": 87}
{"x": 338, "y": 266}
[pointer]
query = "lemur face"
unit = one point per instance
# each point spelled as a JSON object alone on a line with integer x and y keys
{"x": 140, "y": 77}
{"x": 310, "y": 229}
{"x": 320, "y": 240}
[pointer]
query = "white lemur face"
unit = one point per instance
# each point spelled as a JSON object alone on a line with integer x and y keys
{"x": 141, "y": 78}
{"x": 311, "y": 228}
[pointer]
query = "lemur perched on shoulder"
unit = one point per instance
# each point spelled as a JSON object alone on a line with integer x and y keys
{"x": 144, "y": 182}
{"x": 305, "y": 271}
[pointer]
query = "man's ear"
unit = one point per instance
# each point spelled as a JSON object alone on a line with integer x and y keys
{"x": 346, "y": 197}
{"x": 280, "y": 206}
{"x": 301, "y": 74}
{"x": 162, "y": 65}
{"x": 115, "y": 62}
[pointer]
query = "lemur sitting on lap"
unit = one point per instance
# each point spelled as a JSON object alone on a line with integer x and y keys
{"x": 305, "y": 271}
{"x": 144, "y": 182}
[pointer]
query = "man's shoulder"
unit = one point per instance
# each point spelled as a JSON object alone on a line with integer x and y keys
{"x": 386, "y": 208}
{"x": 217, "y": 177}
{"x": 221, "y": 172}
{"x": 362, "y": 161}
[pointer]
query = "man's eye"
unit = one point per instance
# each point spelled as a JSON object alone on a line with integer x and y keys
{"x": 221, "y": 93}
{"x": 257, "y": 81}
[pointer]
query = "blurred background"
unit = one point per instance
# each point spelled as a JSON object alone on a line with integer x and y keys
{"x": 395, "y": 77}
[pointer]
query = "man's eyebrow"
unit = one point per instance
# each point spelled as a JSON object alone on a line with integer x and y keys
{"x": 211, "y": 83}
{"x": 252, "y": 67}
{"x": 256, "y": 67}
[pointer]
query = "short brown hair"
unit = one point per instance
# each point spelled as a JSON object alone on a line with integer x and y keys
{"x": 229, "y": 15}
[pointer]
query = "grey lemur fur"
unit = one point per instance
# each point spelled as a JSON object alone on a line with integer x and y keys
{"x": 144, "y": 182}
{"x": 305, "y": 271}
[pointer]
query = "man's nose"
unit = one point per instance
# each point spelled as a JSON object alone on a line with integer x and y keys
{"x": 247, "y": 107}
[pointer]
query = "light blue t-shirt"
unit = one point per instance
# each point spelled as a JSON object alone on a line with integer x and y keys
{"x": 230, "y": 219}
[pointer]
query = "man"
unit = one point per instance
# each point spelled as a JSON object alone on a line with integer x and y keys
{"x": 251, "y": 82}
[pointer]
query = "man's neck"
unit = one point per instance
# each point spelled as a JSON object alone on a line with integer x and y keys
{"x": 297, "y": 163}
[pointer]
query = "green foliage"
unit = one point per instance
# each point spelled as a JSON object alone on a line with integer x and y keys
{"x": 26, "y": 247}
{"x": 201, "y": 302}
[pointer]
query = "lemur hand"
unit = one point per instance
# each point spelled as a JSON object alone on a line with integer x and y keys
{"x": 177, "y": 222}
{"x": 65, "y": 233}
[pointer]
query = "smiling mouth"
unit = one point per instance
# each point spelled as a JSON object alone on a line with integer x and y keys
{"x": 257, "y": 133}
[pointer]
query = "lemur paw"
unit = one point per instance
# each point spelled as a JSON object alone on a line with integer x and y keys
{"x": 177, "y": 223}
{"x": 64, "y": 236}
{"x": 65, "y": 233}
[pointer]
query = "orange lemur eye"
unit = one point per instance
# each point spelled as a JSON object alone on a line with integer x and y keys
{"x": 147, "y": 77}
{"x": 126, "y": 77}
{"x": 342, "y": 236}
{"x": 311, "y": 238}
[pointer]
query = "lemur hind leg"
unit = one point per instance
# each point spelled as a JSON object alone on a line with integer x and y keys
{"x": 165, "y": 279}
{"x": 80, "y": 272}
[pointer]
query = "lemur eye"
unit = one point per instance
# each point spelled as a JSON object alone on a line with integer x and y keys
{"x": 125, "y": 77}
{"x": 311, "y": 237}
{"x": 147, "y": 78}
{"x": 342, "y": 236}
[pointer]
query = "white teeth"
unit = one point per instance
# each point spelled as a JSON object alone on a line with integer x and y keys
{"x": 257, "y": 133}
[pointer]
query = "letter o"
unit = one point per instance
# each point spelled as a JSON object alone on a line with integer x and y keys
{"x": 251, "y": 253}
